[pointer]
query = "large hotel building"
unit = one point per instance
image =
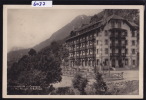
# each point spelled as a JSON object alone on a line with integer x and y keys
{"x": 108, "y": 42}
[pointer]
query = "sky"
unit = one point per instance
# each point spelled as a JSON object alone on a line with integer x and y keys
{"x": 28, "y": 27}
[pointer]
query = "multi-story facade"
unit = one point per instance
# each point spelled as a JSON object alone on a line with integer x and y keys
{"x": 108, "y": 42}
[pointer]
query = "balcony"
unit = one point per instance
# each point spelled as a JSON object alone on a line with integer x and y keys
{"x": 78, "y": 57}
{"x": 118, "y": 37}
{"x": 91, "y": 38}
{"x": 82, "y": 56}
{"x": 117, "y": 54}
{"x": 72, "y": 58}
{"x": 83, "y": 40}
{"x": 72, "y": 50}
{"x": 83, "y": 48}
{"x": 91, "y": 55}
{"x": 117, "y": 46}
{"x": 77, "y": 42}
{"x": 77, "y": 49}
{"x": 123, "y": 54}
{"x": 91, "y": 46}
{"x": 71, "y": 44}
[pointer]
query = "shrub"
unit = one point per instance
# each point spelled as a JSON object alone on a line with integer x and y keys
{"x": 122, "y": 88}
{"x": 100, "y": 86}
{"x": 79, "y": 82}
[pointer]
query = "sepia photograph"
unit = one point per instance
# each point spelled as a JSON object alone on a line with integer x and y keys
{"x": 73, "y": 51}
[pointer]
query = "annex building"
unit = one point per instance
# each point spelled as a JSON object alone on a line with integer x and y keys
{"x": 108, "y": 42}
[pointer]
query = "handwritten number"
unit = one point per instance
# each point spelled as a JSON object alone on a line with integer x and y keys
{"x": 34, "y": 3}
{"x": 40, "y": 3}
{"x": 43, "y": 3}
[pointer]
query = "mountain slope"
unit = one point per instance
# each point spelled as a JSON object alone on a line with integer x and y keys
{"x": 58, "y": 35}
{"x": 65, "y": 31}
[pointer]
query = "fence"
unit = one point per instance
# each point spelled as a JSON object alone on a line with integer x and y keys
{"x": 85, "y": 72}
{"x": 114, "y": 75}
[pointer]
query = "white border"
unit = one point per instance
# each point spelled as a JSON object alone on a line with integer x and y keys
{"x": 140, "y": 7}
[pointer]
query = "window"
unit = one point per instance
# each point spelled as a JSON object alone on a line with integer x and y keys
{"x": 97, "y": 42}
{"x": 126, "y": 51}
{"x": 133, "y": 34}
{"x": 113, "y": 50}
{"x": 97, "y": 61}
{"x": 106, "y": 62}
{"x": 123, "y": 42}
{"x": 91, "y": 51}
{"x": 133, "y": 42}
{"x": 106, "y": 33}
{"x": 116, "y": 42}
{"x": 112, "y": 24}
{"x": 83, "y": 45}
{"x": 123, "y": 50}
{"x": 116, "y": 33}
{"x": 125, "y": 33}
{"x": 116, "y": 50}
{"x": 126, "y": 42}
{"x": 133, "y": 51}
{"x": 83, "y": 52}
{"x": 113, "y": 34}
{"x": 90, "y": 42}
{"x": 89, "y": 62}
{"x": 119, "y": 24}
{"x": 113, "y": 61}
{"x": 133, "y": 62}
{"x": 106, "y": 42}
{"x": 126, "y": 61}
{"x": 97, "y": 34}
{"x": 106, "y": 50}
{"x": 77, "y": 53}
{"x": 97, "y": 51}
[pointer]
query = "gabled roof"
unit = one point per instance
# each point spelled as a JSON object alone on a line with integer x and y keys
{"x": 121, "y": 18}
{"x": 116, "y": 17}
{"x": 132, "y": 23}
{"x": 103, "y": 22}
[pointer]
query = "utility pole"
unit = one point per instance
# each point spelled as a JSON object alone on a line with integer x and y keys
{"x": 109, "y": 52}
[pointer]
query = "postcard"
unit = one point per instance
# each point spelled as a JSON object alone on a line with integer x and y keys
{"x": 73, "y": 51}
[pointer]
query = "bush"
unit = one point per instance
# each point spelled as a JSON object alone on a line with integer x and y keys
{"x": 100, "y": 86}
{"x": 79, "y": 82}
{"x": 90, "y": 90}
{"x": 124, "y": 87}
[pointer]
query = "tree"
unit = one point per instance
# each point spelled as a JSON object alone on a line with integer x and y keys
{"x": 80, "y": 83}
{"x": 100, "y": 85}
{"x": 32, "y": 52}
{"x": 42, "y": 69}
{"x": 129, "y": 14}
